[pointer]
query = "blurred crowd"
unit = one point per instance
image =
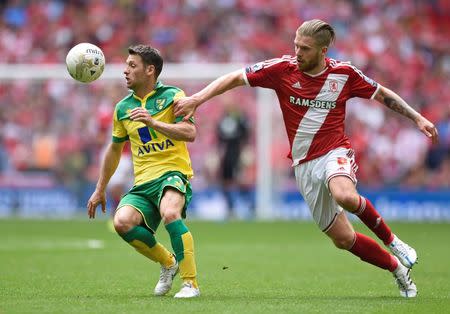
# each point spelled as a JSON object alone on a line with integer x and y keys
{"x": 60, "y": 127}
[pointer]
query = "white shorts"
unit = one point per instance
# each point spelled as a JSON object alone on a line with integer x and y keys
{"x": 312, "y": 180}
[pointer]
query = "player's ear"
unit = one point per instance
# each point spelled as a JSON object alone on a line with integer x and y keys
{"x": 150, "y": 69}
{"x": 324, "y": 50}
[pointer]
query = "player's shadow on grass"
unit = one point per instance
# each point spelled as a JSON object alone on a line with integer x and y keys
{"x": 300, "y": 298}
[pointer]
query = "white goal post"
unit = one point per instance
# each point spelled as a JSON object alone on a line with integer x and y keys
{"x": 200, "y": 72}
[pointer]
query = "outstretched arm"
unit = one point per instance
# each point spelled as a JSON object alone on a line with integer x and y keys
{"x": 186, "y": 106}
{"x": 396, "y": 103}
{"x": 108, "y": 167}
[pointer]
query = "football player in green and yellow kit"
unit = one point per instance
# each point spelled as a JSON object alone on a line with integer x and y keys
{"x": 162, "y": 169}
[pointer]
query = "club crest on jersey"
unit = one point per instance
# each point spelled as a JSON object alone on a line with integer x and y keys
{"x": 333, "y": 84}
{"x": 160, "y": 103}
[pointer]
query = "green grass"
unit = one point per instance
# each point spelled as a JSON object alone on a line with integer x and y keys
{"x": 244, "y": 267}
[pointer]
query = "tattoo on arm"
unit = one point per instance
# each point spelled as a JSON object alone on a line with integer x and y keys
{"x": 398, "y": 105}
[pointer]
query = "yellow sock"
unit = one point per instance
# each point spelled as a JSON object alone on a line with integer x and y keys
{"x": 157, "y": 253}
{"x": 188, "y": 270}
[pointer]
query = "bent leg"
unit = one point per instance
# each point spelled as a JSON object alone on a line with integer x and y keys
{"x": 171, "y": 206}
{"x": 341, "y": 232}
{"x": 367, "y": 249}
{"x": 127, "y": 222}
{"x": 344, "y": 192}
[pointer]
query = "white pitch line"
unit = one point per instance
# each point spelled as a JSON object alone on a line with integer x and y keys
{"x": 52, "y": 245}
{"x": 95, "y": 244}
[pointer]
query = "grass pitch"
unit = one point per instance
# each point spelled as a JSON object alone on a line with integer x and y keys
{"x": 80, "y": 266}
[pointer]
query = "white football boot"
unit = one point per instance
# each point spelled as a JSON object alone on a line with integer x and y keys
{"x": 406, "y": 254}
{"x": 166, "y": 279}
{"x": 187, "y": 291}
{"x": 407, "y": 287}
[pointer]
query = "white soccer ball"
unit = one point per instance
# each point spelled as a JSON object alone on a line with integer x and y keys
{"x": 85, "y": 62}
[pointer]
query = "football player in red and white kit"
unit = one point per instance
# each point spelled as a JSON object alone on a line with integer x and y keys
{"x": 312, "y": 91}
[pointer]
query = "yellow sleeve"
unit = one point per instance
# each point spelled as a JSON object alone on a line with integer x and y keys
{"x": 178, "y": 95}
{"x": 119, "y": 133}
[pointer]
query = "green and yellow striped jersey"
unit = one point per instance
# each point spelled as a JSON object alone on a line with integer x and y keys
{"x": 153, "y": 152}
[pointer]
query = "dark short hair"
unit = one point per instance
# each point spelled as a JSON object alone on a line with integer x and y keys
{"x": 149, "y": 55}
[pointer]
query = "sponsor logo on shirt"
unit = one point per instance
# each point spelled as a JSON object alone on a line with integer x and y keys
{"x": 314, "y": 103}
{"x": 154, "y": 147}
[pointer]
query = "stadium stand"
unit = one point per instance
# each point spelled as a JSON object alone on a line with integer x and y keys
{"x": 402, "y": 44}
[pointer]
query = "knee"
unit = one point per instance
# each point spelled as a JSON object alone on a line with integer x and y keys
{"x": 345, "y": 242}
{"x": 170, "y": 215}
{"x": 349, "y": 200}
{"x": 123, "y": 223}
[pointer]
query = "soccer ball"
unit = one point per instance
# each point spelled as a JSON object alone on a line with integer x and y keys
{"x": 85, "y": 62}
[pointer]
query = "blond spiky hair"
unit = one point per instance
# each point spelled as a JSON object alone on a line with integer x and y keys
{"x": 321, "y": 31}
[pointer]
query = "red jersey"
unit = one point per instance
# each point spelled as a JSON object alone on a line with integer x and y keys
{"x": 313, "y": 106}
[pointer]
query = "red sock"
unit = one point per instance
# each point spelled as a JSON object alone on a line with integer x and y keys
{"x": 371, "y": 252}
{"x": 372, "y": 219}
